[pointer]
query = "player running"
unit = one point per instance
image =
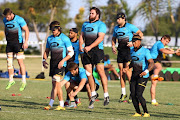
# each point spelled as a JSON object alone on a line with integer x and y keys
{"x": 14, "y": 25}
{"x": 141, "y": 63}
{"x": 124, "y": 33}
{"x": 58, "y": 44}
{"x": 158, "y": 49}
{"x": 73, "y": 33}
{"x": 77, "y": 81}
{"x": 93, "y": 33}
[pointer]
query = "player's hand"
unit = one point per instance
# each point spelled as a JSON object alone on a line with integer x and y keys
{"x": 25, "y": 45}
{"x": 87, "y": 49}
{"x": 74, "y": 94}
{"x": 45, "y": 64}
{"x": 114, "y": 50}
{"x": 61, "y": 63}
{"x": 142, "y": 74}
{"x": 129, "y": 44}
{"x": 81, "y": 49}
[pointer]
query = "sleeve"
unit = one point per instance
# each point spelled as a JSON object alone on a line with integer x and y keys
{"x": 160, "y": 46}
{"x": 133, "y": 28}
{"x": 4, "y": 20}
{"x": 67, "y": 42}
{"x": 21, "y": 22}
{"x": 108, "y": 61}
{"x": 82, "y": 75}
{"x": 47, "y": 44}
{"x": 147, "y": 54}
{"x": 83, "y": 28}
{"x": 114, "y": 33}
{"x": 102, "y": 28}
{"x": 67, "y": 77}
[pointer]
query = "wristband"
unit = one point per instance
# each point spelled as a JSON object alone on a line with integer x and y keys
{"x": 146, "y": 71}
{"x": 43, "y": 60}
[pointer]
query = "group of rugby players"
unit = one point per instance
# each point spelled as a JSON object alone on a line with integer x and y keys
{"x": 133, "y": 59}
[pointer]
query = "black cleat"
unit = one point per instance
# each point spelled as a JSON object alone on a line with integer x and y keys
{"x": 122, "y": 98}
{"x": 93, "y": 99}
{"x": 106, "y": 100}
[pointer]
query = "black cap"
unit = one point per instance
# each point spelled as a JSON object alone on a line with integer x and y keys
{"x": 136, "y": 37}
{"x": 74, "y": 30}
{"x": 120, "y": 15}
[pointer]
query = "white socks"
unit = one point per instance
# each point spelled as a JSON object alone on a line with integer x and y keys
{"x": 123, "y": 91}
{"x": 24, "y": 78}
{"x": 51, "y": 102}
{"x": 10, "y": 78}
{"x": 154, "y": 101}
{"x": 155, "y": 75}
{"x": 61, "y": 103}
{"x": 93, "y": 93}
{"x": 106, "y": 94}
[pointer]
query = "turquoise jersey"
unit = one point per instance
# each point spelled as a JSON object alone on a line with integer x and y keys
{"x": 79, "y": 77}
{"x": 58, "y": 46}
{"x": 140, "y": 60}
{"x": 91, "y": 31}
{"x": 76, "y": 51}
{"x": 13, "y": 29}
{"x": 155, "y": 49}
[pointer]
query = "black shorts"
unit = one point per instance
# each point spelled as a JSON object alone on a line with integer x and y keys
{"x": 56, "y": 71}
{"x": 14, "y": 47}
{"x": 93, "y": 57}
{"x": 158, "y": 59}
{"x": 123, "y": 57}
{"x": 85, "y": 90}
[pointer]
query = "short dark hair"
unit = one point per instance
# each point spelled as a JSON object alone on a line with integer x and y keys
{"x": 97, "y": 11}
{"x": 7, "y": 11}
{"x": 121, "y": 15}
{"x": 136, "y": 37}
{"x": 72, "y": 66}
{"x": 166, "y": 37}
{"x": 74, "y": 30}
{"x": 54, "y": 24}
{"x": 106, "y": 56}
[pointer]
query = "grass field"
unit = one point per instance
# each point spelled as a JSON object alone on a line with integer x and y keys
{"x": 29, "y": 106}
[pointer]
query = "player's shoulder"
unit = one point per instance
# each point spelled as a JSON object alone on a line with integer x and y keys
{"x": 4, "y": 20}
{"x": 129, "y": 25}
{"x": 17, "y": 17}
{"x": 85, "y": 23}
{"x": 50, "y": 37}
{"x": 145, "y": 50}
{"x": 64, "y": 37}
{"x": 82, "y": 70}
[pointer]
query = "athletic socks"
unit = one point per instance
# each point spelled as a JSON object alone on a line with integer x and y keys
{"x": 106, "y": 95}
{"x": 51, "y": 102}
{"x": 123, "y": 91}
{"x": 10, "y": 78}
{"x": 93, "y": 93}
{"x": 24, "y": 78}
{"x": 61, "y": 103}
{"x": 154, "y": 101}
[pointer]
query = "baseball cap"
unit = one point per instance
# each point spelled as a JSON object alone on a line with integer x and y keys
{"x": 74, "y": 30}
{"x": 120, "y": 15}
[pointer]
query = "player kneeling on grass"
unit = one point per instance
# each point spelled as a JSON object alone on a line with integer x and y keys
{"x": 141, "y": 63}
{"x": 77, "y": 80}
{"x": 58, "y": 44}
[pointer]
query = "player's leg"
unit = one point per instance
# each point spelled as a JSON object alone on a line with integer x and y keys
{"x": 114, "y": 71}
{"x": 140, "y": 87}
{"x": 157, "y": 69}
{"x": 134, "y": 98}
{"x": 66, "y": 103}
{"x": 129, "y": 74}
{"x": 153, "y": 91}
{"x": 20, "y": 57}
{"x": 10, "y": 69}
{"x": 69, "y": 90}
{"x": 122, "y": 82}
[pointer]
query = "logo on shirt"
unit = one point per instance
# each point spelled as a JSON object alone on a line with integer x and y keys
{"x": 89, "y": 29}
{"x": 9, "y": 25}
{"x": 54, "y": 44}
{"x": 135, "y": 58}
{"x": 120, "y": 33}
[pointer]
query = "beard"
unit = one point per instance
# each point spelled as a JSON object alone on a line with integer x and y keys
{"x": 92, "y": 18}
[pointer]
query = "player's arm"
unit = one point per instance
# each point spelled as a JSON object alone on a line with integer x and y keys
{"x": 80, "y": 87}
{"x": 168, "y": 51}
{"x": 150, "y": 67}
{"x": 114, "y": 50}
{"x": 26, "y": 29}
{"x": 81, "y": 41}
{"x": 45, "y": 56}
{"x": 140, "y": 34}
{"x": 69, "y": 55}
{"x": 96, "y": 42}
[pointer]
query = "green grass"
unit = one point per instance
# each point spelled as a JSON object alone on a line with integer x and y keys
{"x": 29, "y": 106}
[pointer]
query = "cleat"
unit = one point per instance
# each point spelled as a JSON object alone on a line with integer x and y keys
{"x": 66, "y": 104}
{"x": 136, "y": 115}
{"x": 156, "y": 103}
{"x": 47, "y": 107}
{"x": 93, "y": 99}
{"x": 23, "y": 86}
{"x": 106, "y": 100}
{"x": 10, "y": 84}
{"x": 91, "y": 107}
{"x": 0, "y": 108}
{"x": 122, "y": 98}
{"x": 160, "y": 78}
{"x": 72, "y": 106}
{"x": 146, "y": 115}
{"x": 78, "y": 102}
{"x": 130, "y": 99}
{"x": 60, "y": 108}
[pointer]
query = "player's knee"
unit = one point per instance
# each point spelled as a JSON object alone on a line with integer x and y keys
{"x": 10, "y": 62}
